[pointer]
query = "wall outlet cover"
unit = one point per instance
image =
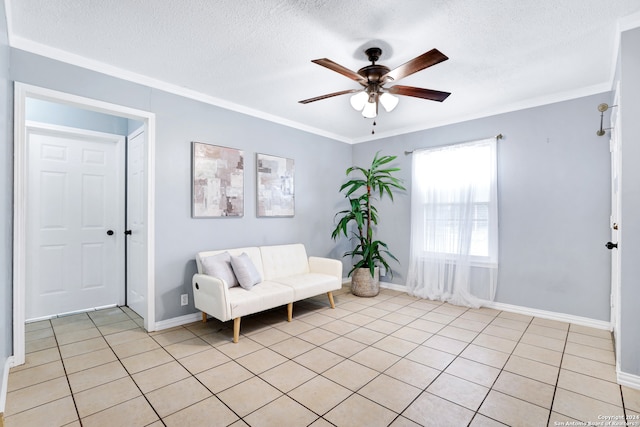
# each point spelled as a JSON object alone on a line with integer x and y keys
{"x": 184, "y": 299}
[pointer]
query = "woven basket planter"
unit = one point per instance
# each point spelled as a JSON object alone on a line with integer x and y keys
{"x": 363, "y": 285}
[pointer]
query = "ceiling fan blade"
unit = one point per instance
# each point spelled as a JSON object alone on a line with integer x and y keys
{"x": 340, "y": 69}
{"x": 433, "y": 95}
{"x": 329, "y": 95}
{"x": 426, "y": 60}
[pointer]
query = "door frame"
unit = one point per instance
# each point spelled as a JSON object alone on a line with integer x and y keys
{"x": 616, "y": 157}
{"x": 23, "y": 91}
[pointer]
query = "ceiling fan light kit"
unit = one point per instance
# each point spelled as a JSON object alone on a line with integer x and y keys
{"x": 388, "y": 101}
{"x": 359, "y": 100}
{"x": 373, "y": 78}
{"x": 370, "y": 110}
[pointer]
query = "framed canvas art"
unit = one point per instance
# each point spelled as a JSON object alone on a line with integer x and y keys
{"x": 218, "y": 181}
{"x": 275, "y": 186}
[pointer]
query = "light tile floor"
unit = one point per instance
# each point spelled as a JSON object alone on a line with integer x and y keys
{"x": 389, "y": 360}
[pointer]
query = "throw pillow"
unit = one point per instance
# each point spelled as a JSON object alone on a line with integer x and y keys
{"x": 246, "y": 272}
{"x": 220, "y": 266}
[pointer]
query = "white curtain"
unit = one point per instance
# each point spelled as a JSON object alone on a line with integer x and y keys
{"x": 454, "y": 223}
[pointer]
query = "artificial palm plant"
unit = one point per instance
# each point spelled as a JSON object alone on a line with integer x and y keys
{"x": 361, "y": 192}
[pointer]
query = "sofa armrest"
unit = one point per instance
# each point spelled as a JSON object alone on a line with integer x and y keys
{"x": 328, "y": 266}
{"x": 211, "y": 296}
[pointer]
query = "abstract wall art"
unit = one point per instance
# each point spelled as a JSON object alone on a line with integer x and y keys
{"x": 275, "y": 186}
{"x": 218, "y": 181}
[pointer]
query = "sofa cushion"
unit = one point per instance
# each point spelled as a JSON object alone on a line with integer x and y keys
{"x": 263, "y": 296}
{"x": 246, "y": 272}
{"x": 284, "y": 261}
{"x": 220, "y": 266}
{"x": 310, "y": 284}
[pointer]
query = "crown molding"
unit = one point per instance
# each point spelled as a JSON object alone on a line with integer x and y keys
{"x": 30, "y": 46}
{"x": 509, "y": 108}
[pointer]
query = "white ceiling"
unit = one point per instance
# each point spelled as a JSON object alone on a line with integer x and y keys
{"x": 254, "y": 55}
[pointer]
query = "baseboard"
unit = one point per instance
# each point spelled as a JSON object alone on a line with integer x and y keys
{"x": 551, "y": 315}
{"x": 393, "y": 286}
{"x": 628, "y": 380}
{"x": 5, "y": 383}
{"x": 178, "y": 321}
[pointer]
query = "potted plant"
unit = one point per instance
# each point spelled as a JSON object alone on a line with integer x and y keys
{"x": 361, "y": 192}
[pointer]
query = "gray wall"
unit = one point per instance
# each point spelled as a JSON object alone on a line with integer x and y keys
{"x": 319, "y": 163}
{"x": 554, "y": 203}
{"x": 6, "y": 197}
{"x": 65, "y": 115}
{"x": 630, "y": 202}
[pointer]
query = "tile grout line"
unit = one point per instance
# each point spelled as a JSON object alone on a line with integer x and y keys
{"x": 127, "y": 371}
{"x": 123, "y": 367}
{"x": 197, "y": 379}
{"x": 555, "y": 388}
{"x": 500, "y": 373}
{"x": 64, "y": 367}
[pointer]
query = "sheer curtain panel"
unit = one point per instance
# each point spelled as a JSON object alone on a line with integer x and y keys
{"x": 454, "y": 223}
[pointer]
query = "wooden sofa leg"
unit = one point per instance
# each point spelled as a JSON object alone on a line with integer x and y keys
{"x": 289, "y": 311}
{"x": 330, "y": 295}
{"x": 204, "y": 317}
{"x": 236, "y": 329}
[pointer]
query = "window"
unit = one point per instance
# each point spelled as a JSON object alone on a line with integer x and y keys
{"x": 457, "y": 183}
{"x": 446, "y": 221}
{"x": 454, "y": 223}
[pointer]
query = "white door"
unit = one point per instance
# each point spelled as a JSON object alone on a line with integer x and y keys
{"x": 136, "y": 226}
{"x": 74, "y": 242}
{"x": 614, "y": 244}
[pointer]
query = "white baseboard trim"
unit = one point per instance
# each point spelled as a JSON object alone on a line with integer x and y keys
{"x": 628, "y": 380}
{"x": 393, "y": 286}
{"x": 178, "y": 321}
{"x": 544, "y": 314}
{"x": 551, "y": 315}
{"x": 5, "y": 383}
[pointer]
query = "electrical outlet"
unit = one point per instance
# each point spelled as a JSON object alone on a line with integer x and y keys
{"x": 184, "y": 299}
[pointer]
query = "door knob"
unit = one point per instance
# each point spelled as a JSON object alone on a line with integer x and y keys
{"x": 610, "y": 245}
{"x": 128, "y": 232}
{"x": 109, "y": 232}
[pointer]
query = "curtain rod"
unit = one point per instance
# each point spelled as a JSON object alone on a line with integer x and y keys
{"x": 498, "y": 136}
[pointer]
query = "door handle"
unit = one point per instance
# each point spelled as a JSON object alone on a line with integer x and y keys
{"x": 109, "y": 232}
{"x": 610, "y": 245}
{"x": 128, "y": 232}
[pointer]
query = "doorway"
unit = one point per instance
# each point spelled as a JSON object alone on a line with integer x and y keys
{"x": 145, "y": 194}
{"x": 75, "y": 201}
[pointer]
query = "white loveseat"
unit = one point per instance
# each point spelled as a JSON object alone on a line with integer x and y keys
{"x": 286, "y": 275}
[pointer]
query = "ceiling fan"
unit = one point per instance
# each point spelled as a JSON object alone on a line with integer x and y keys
{"x": 374, "y": 77}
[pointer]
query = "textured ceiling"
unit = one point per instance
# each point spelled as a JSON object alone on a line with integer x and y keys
{"x": 254, "y": 55}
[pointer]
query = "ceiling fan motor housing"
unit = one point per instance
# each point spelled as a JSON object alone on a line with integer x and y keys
{"x": 373, "y": 73}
